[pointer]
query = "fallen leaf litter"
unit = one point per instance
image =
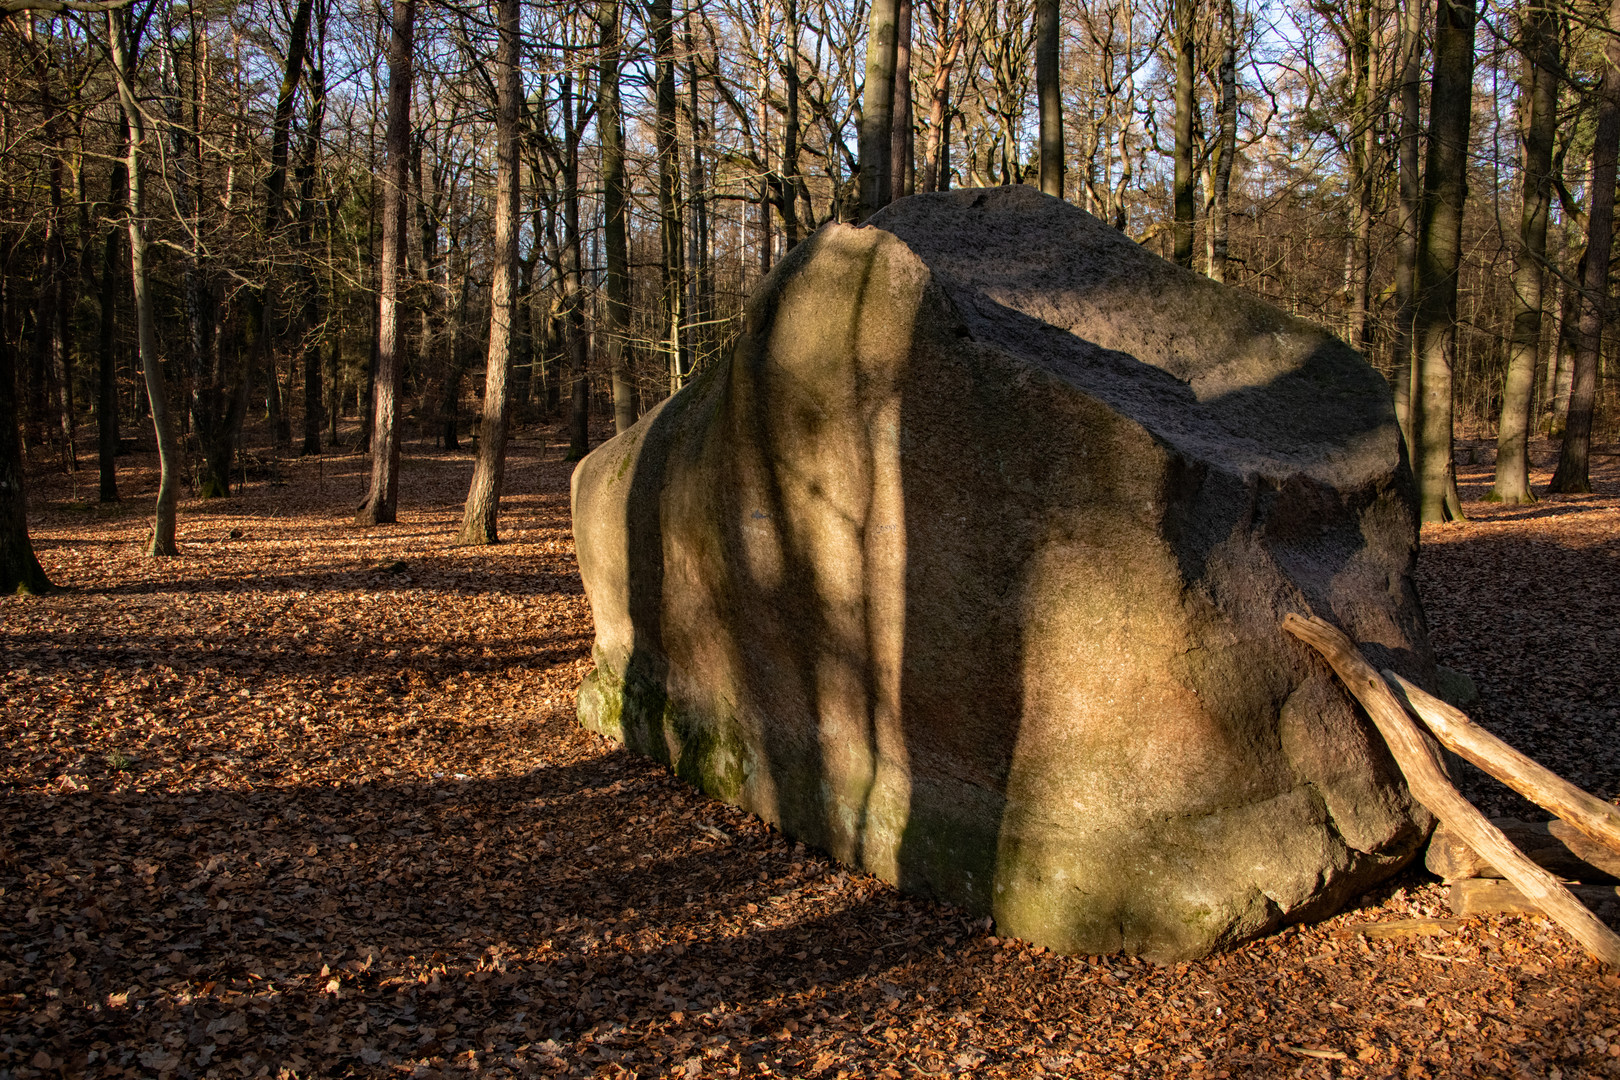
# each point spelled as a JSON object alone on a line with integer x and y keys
{"x": 309, "y": 801}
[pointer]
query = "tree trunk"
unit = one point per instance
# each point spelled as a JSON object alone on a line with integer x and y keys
{"x": 1183, "y": 16}
{"x": 615, "y": 327}
{"x": 455, "y": 368}
{"x": 1363, "y": 150}
{"x": 311, "y": 316}
{"x": 936, "y": 166}
{"x": 478, "y": 522}
{"x": 209, "y": 399}
{"x": 792, "y": 182}
{"x": 382, "y": 501}
{"x": 157, "y": 394}
{"x": 579, "y": 406}
{"x": 901, "y": 182}
{"x": 702, "y": 268}
{"x": 275, "y": 185}
{"x": 20, "y": 571}
{"x": 1225, "y": 147}
{"x": 1445, "y": 188}
{"x": 762, "y": 122}
{"x": 334, "y": 382}
{"x": 1571, "y": 476}
{"x": 666, "y": 138}
{"x": 51, "y": 310}
{"x": 366, "y": 392}
{"x": 1049, "y": 91}
{"x": 877, "y": 107}
{"x": 1538, "y": 104}
{"x": 1562, "y": 362}
{"x": 1408, "y": 199}
{"x": 106, "y": 345}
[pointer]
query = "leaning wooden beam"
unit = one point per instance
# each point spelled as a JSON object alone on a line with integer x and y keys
{"x": 1588, "y": 813}
{"x": 1430, "y": 787}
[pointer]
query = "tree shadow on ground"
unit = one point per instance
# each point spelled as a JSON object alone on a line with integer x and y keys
{"x": 407, "y": 920}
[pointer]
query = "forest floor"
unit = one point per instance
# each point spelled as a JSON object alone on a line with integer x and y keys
{"x": 309, "y": 800}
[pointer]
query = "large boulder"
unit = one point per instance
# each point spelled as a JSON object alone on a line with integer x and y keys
{"x": 967, "y": 567}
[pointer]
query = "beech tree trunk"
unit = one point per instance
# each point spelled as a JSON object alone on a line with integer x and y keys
{"x": 792, "y": 182}
{"x": 310, "y": 317}
{"x": 1571, "y": 476}
{"x": 106, "y": 344}
{"x": 382, "y": 500}
{"x": 666, "y": 139}
{"x": 1049, "y": 92}
{"x": 275, "y": 186}
{"x": 209, "y": 397}
{"x": 610, "y": 125}
{"x": 936, "y": 164}
{"x": 877, "y": 107}
{"x": 1409, "y": 196}
{"x": 1225, "y": 147}
{"x": 901, "y": 183}
{"x": 51, "y": 306}
{"x": 701, "y": 269}
{"x": 1183, "y": 31}
{"x": 169, "y": 465}
{"x": 579, "y": 406}
{"x": 1538, "y": 104}
{"x": 20, "y": 571}
{"x": 1445, "y": 187}
{"x": 478, "y": 523}
{"x": 1363, "y": 151}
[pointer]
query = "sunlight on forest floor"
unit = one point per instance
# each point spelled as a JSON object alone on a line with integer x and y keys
{"x": 309, "y": 800}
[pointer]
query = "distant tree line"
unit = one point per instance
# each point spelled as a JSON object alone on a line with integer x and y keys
{"x": 347, "y": 219}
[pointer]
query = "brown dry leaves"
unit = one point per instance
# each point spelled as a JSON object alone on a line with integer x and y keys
{"x": 283, "y": 807}
{"x": 1526, "y": 600}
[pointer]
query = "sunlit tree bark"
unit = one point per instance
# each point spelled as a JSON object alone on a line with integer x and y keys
{"x": 382, "y": 500}
{"x": 123, "y": 47}
{"x": 1049, "y": 93}
{"x": 610, "y": 130}
{"x": 1539, "y": 35}
{"x": 877, "y": 107}
{"x": 1445, "y": 189}
{"x": 1572, "y": 475}
{"x": 1183, "y": 39}
{"x": 480, "y": 517}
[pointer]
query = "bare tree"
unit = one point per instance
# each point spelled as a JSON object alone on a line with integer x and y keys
{"x": 877, "y": 110}
{"x": 20, "y": 571}
{"x": 666, "y": 137}
{"x": 1049, "y": 91}
{"x": 1445, "y": 188}
{"x": 1409, "y": 194}
{"x": 1183, "y": 38}
{"x": 123, "y": 42}
{"x": 479, "y": 519}
{"x": 1572, "y": 475}
{"x": 1224, "y": 152}
{"x": 610, "y": 130}
{"x": 1539, "y": 35}
{"x": 383, "y": 498}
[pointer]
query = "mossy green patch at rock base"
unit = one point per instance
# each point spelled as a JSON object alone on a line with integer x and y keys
{"x": 640, "y": 716}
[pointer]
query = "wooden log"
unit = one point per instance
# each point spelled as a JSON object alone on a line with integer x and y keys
{"x": 1555, "y": 846}
{"x": 1400, "y": 928}
{"x": 1430, "y": 787}
{"x": 1588, "y": 813}
{"x": 1493, "y": 896}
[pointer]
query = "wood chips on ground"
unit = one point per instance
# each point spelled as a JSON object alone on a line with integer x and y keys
{"x": 310, "y": 801}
